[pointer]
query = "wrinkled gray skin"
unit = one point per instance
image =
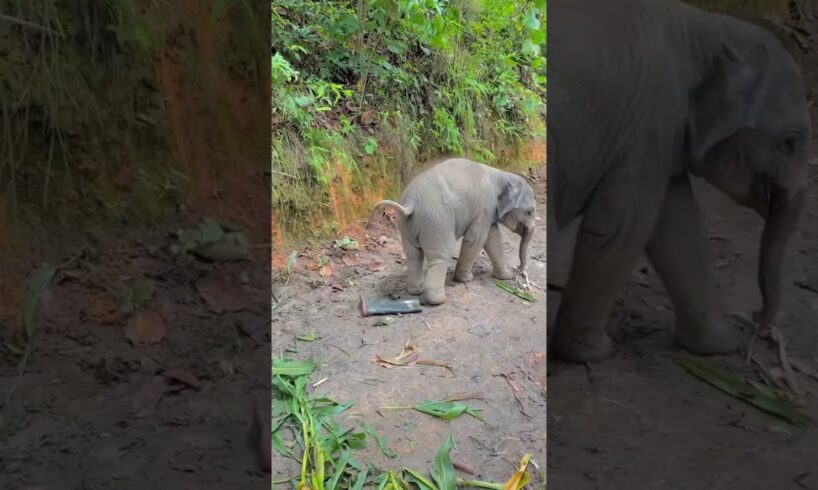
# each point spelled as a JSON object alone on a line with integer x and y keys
{"x": 459, "y": 198}
{"x": 644, "y": 94}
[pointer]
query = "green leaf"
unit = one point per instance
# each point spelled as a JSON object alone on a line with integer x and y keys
{"x": 308, "y": 338}
{"x": 447, "y": 410}
{"x": 218, "y": 7}
{"x": 359, "y": 483}
{"x": 396, "y": 47}
{"x": 291, "y": 261}
{"x": 33, "y": 292}
{"x": 140, "y": 293}
{"x": 339, "y": 470}
{"x": 282, "y": 367}
{"x": 443, "y": 472}
{"x": 538, "y": 36}
{"x": 419, "y": 480}
{"x": 741, "y": 389}
{"x": 380, "y": 441}
{"x": 531, "y": 22}
{"x": 514, "y": 290}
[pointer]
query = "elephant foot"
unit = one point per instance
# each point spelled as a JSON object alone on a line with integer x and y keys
{"x": 463, "y": 276}
{"x": 592, "y": 346}
{"x": 708, "y": 341}
{"x": 505, "y": 274}
{"x": 433, "y": 298}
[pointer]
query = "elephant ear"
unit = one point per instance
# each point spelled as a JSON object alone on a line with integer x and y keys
{"x": 728, "y": 99}
{"x": 511, "y": 197}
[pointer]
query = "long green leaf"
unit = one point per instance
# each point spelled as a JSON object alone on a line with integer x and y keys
{"x": 515, "y": 291}
{"x": 339, "y": 470}
{"x": 443, "y": 472}
{"x": 447, "y": 410}
{"x": 742, "y": 390}
{"x": 419, "y": 480}
{"x": 380, "y": 441}
{"x": 35, "y": 289}
{"x": 283, "y": 367}
{"x": 359, "y": 483}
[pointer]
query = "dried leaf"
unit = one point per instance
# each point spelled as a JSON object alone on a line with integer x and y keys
{"x": 521, "y": 477}
{"x": 103, "y": 311}
{"x": 222, "y": 294}
{"x": 326, "y": 270}
{"x": 407, "y": 357}
{"x": 145, "y": 328}
{"x": 535, "y": 358}
{"x": 349, "y": 260}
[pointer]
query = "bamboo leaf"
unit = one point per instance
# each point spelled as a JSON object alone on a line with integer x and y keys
{"x": 741, "y": 389}
{"x": 282, "y": 367}
{"x": 443, "y": 472}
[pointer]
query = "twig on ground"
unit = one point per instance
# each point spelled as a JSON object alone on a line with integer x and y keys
{"x": 785, "y": 361}
{"x": 515, "y": 390}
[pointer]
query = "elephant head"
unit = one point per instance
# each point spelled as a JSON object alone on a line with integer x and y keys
{"x": 748, "y": 134}
{"x": 516, "y": 210}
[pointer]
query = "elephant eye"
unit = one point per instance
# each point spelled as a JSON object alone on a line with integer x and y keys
{"x": 787, "y": 146}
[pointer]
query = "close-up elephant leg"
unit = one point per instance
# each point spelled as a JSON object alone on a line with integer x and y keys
{"x": 678, "y": 251}
{"x": 613, "y": 232}
{"x": 494, "y": 249}
{"x": 469, "y": 251}
{"x": 414, "y": 258}
{"x": 435, "y": 282}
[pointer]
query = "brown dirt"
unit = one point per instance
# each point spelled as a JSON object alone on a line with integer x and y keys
{"x": 482, "y": 330}
{"x": 94, "y": 411}
{"x": 638, "y": 420}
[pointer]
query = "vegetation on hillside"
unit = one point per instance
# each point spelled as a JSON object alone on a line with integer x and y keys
{"x": 363, "y": 91}
{"x": 104, "y": 101}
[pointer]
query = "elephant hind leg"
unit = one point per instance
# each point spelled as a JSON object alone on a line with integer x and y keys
{"x": 679, "y": 253}
{"x": 615, "y": 228}
{"x": 434, "y": 285}
{"x": 415, "y": 274}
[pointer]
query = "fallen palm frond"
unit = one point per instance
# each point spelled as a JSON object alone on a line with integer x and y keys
{"x": 771, "y": 401}
{"x": 520, "y": 293}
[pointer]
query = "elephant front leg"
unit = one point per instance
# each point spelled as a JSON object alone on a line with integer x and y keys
{"x": 614, "y": 229}
{"x": 473, "y": 242}
{"x": 494, "y": 249}
{"x": 678, "y": 251}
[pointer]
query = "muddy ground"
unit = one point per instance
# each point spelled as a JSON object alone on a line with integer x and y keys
{"x": 638, "y": 420}
{"x": 92, "y": 410}
{"x": 494, "y": 341}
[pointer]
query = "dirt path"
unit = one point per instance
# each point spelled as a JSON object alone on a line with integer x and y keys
{"x": 94, "y": 411}
{"x": 638, "y": 420}
{"x": 481, "y": 330}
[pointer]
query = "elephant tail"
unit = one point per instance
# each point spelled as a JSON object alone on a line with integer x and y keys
{"x": 404, "y": 211}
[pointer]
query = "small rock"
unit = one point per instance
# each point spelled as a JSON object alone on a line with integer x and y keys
{"x": 383, "y": 240}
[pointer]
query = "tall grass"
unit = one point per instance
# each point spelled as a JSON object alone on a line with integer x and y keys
{"x": 91, "y": 120}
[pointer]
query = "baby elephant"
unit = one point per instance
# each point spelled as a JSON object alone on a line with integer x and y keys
{"x": 460, "y": 198}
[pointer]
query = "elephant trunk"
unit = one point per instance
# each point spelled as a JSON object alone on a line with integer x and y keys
{"x": 784, "y": 209}
{"x": 525, "y": 240}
